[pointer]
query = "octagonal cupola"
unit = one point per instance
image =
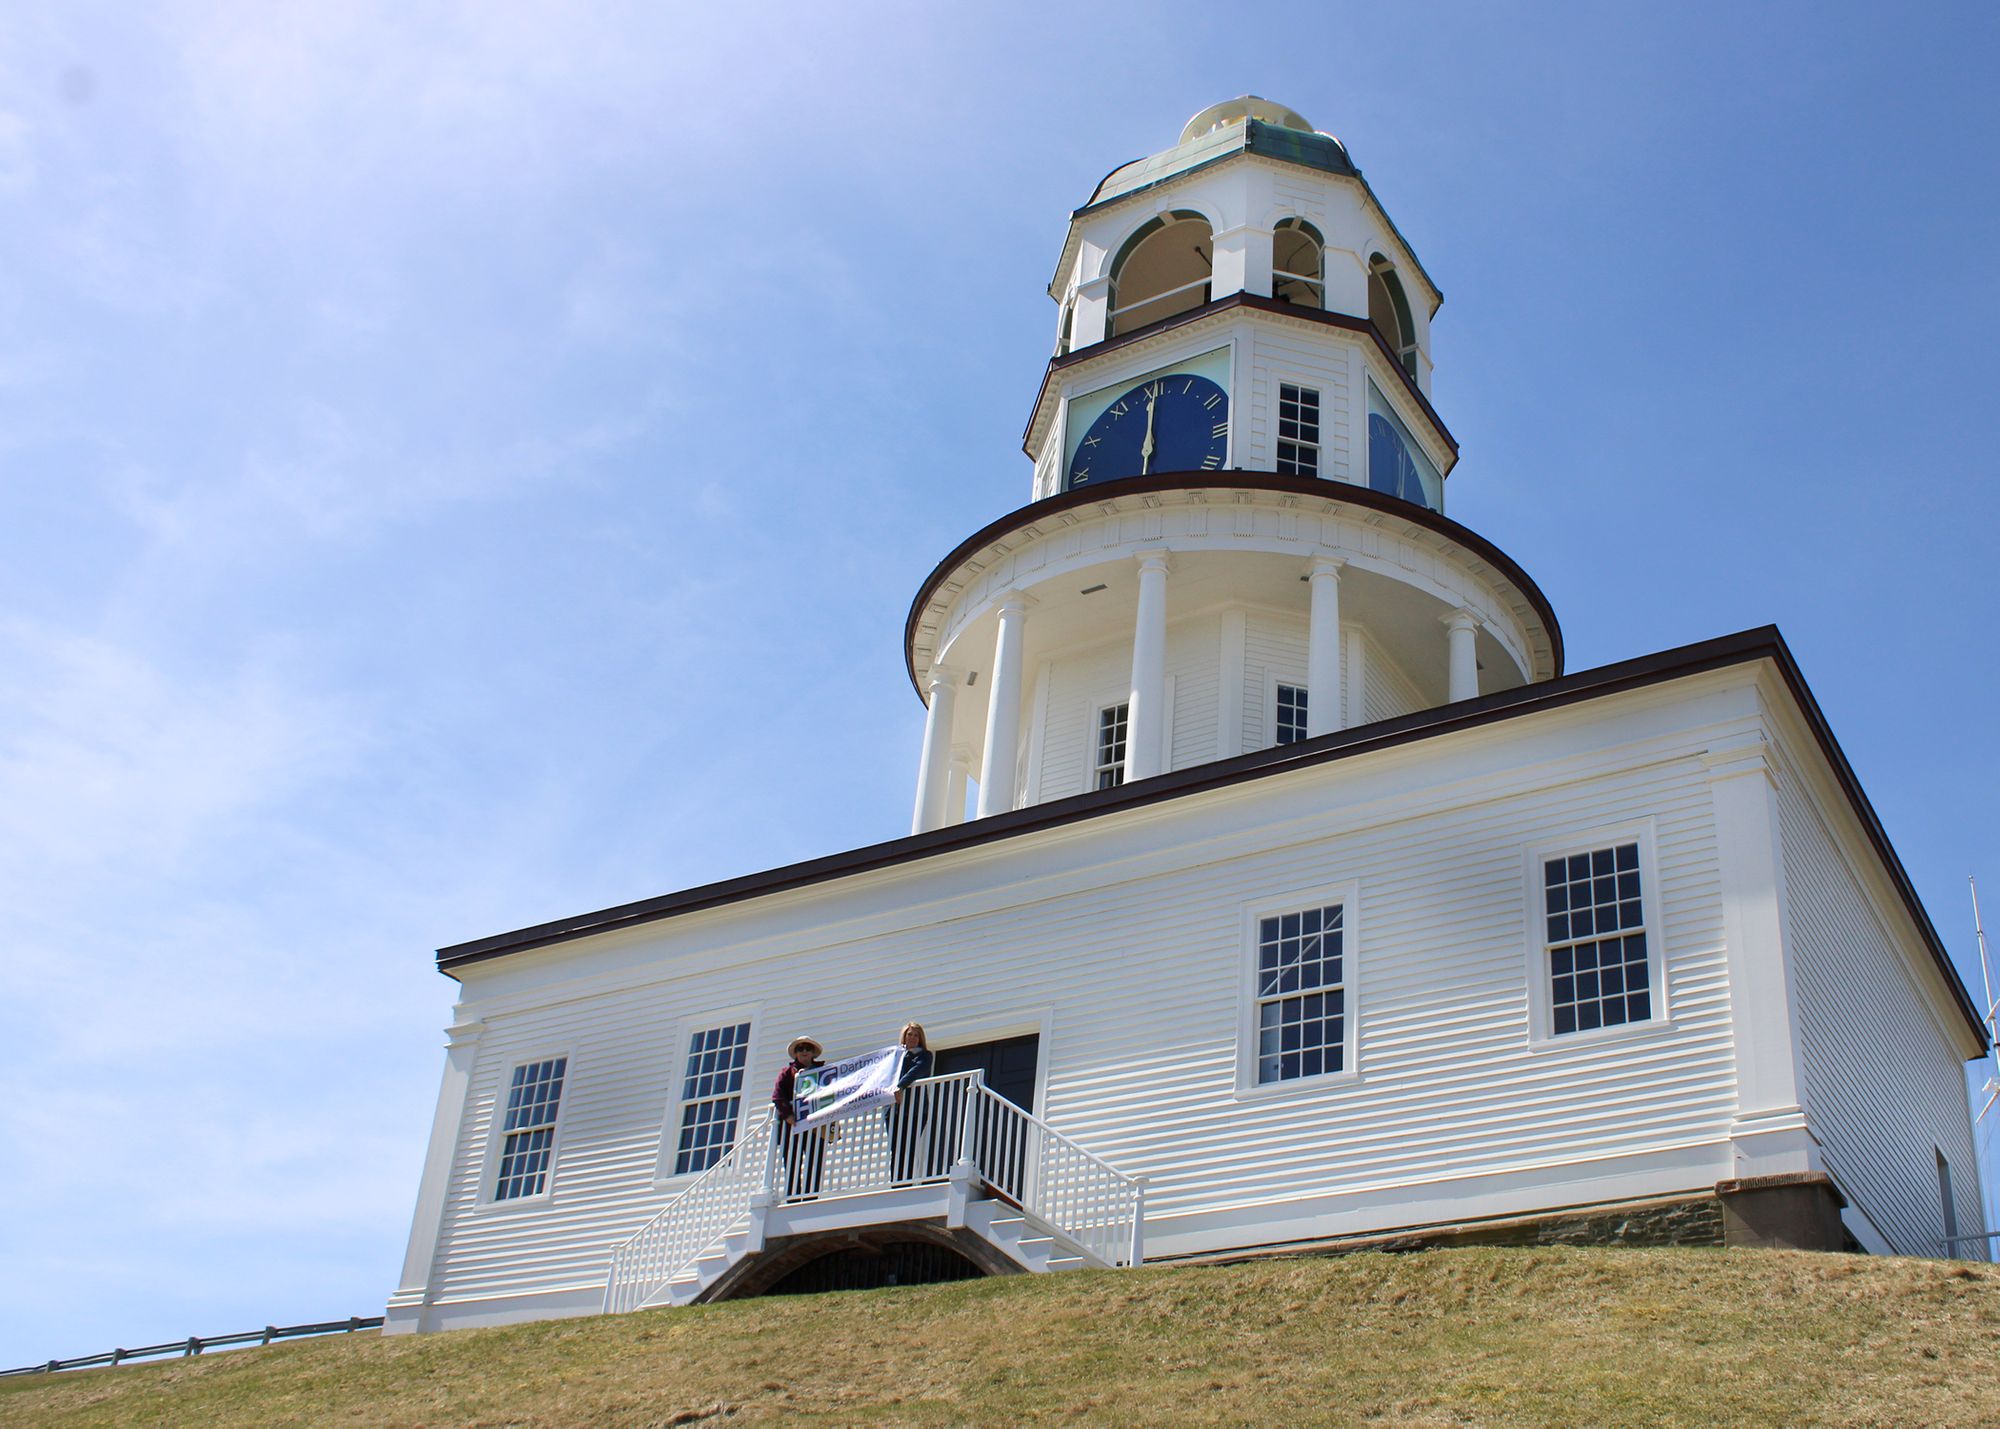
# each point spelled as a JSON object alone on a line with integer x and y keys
{"x": 1252, "y": 222}
{"x": 1236, "y": 535}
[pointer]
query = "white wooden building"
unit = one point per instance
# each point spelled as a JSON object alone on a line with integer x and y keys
{"x": 1271, "y": 882}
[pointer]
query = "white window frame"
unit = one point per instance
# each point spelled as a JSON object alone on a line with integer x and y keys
{"x": 1090, "y": 765}
{"x": 497, "y": 1133}
{"x": 1273, "y": 679}
{"x": 1541, "y": 1018}
{"x": 670, "y": 1124}
{"x": 1319, "y": 422}
{"x": 1297, "y": 900}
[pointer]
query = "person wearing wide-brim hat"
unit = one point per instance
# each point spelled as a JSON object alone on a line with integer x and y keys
{"x": 803, "y": 1149}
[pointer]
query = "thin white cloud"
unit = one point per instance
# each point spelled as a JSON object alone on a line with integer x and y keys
{"x": 107, "y": 759}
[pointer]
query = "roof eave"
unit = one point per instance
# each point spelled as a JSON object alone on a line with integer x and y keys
{"x": 1743, "y": 648}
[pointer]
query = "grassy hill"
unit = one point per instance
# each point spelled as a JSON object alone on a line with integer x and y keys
{"x": 1486, "y": 1336}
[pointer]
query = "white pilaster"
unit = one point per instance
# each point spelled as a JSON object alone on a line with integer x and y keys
{"x": 1355, "y": 686}
{"x": 1464, "y": 628}
{"x": 954, "y": 790}
{"x": 1323, "y": 648}
{"x": 1003, "y": 710}
{"x": 1242, "y": 262}
{"x": 1769, "y": 1133}
{"x": 406, "y": 1307}
{"x": 1146, "y": 717}
{"x": 1093, "y": 308}
{"x": 933, "y": 767}
{"x": 1229, "y": 721}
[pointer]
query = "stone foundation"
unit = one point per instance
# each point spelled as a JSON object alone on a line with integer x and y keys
{"x": 1678, "y": 1220}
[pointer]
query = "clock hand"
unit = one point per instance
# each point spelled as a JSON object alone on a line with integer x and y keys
{"x": 1146, "y": 447}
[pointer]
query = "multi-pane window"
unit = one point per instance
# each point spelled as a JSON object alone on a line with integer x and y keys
{"x": 1301, "y": 994}
{"x": 1291, "y": 714}
{"x": 711, "y": 1096}
{"x": 1298, "y": 430}
{"x": 1599, "y": 975}
{"x": 532, "y": 1101}
{"x": 1109, "y": 764}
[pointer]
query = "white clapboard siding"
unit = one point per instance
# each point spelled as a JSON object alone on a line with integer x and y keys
{"x": 1080, "y": 684}
{"x": 1274, "y": 648}
{"x": 1132, "y": 972}
{"x": 1884, "y": 1090}
{"x": 1277, "y": 353}
{"x": 1194, "y": 666}
{"x": 1386, "y": 691}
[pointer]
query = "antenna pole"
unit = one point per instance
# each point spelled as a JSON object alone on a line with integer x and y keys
{"x": 1986, "y": 980}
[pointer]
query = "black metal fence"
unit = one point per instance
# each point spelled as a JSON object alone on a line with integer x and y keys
{"x": 195, "y": 1344}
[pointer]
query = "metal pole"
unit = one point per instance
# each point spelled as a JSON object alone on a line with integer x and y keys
{"x": 1983, "y": 1235}
{"x": 1986, "y": 980}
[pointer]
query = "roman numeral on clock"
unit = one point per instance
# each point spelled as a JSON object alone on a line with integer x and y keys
{"x": 1222, "y": 429}
{"x": 1213, "y": 398}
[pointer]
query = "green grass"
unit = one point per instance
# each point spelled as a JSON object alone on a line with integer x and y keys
{"x": 1472, "y": 1336}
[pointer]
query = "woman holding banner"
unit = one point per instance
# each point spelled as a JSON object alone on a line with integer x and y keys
{"x": 909, "y": 1125}
{"x": 804, "y": 1150}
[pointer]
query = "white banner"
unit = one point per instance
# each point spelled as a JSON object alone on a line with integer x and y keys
{"x": 843, "y": 1089}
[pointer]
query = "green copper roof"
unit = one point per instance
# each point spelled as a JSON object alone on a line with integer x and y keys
{"x": 1252, "y": 136}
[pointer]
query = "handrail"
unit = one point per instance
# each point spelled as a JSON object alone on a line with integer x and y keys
{"x": 1070, "y": 1189}
{"x": 688, "y": 1225}
{"x": 1163, "y": 293}
{"x": 195, "y": 1344}
{"x": 943, "y": 1129}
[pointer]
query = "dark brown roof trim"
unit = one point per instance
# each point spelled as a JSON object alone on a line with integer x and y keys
{"x": 1258, "y": 304}
{"x": 1746, "y": 647}
{"x": 1313, "y": 486}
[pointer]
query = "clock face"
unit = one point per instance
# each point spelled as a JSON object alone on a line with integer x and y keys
{"x": 1173, "y": 423}
{"x": 1390, "y": 465}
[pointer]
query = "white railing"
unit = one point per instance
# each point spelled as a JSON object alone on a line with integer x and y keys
{"x": 910, "y": 1143}
{"x": 1114, "y": 320}
{"x": 692, "y": 1222}
{"x": 946, "y": 1130}
{"x": 1081, "y": 1196}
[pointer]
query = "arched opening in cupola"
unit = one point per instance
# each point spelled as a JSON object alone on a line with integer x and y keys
{"x": 1163, "y": 269}
{"x": 1298, "y": 264}
{"x": 1389, "y": 312}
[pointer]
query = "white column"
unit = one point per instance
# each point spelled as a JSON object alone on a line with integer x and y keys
{"x": 1003, "y": 710}
{"x": 954, "y": 789}
{"x": 1323, "y": 649}
{"x": 1146, "y": 717}
{"x": 1464, "y": 628}
{"x": 1769, "y": 1133}
{"x": 933, "y": 767}
{"x": 406, "y": 1307}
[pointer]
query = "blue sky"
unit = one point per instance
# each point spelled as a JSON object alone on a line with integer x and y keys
{"x": 463, "y": 465}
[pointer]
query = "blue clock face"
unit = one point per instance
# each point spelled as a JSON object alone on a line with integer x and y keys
{"x": 1175, "y": 423}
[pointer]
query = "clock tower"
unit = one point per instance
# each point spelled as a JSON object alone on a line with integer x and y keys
{"x": 1236, "y": 536}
